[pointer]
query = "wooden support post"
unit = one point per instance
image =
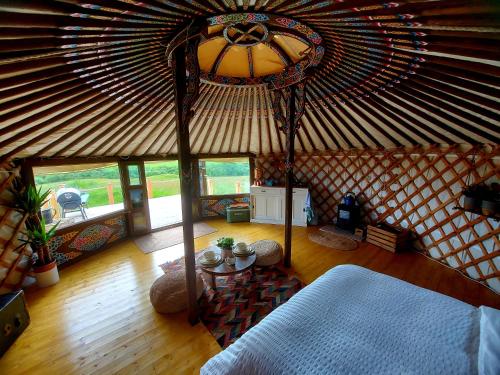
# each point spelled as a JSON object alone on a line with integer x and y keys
{"x": 290, "y": 157}
{"x": 111, "y": 197}
{"x": 294, "y": 97}
{"x": 184, "y": 99}
{"x": 149, "y": 187}
{"x": 53, "y": 204}
{"x": 210, "y": 186}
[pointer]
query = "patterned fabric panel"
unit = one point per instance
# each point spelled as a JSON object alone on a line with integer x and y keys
{"x": 69, "y": 246}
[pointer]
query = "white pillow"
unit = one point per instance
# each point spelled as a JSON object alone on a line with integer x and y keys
{"x": 489, "y": 341}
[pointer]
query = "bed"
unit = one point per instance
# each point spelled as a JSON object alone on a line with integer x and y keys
{"x": 352, "y": 320}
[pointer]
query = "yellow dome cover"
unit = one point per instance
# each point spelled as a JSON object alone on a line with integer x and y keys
{"x": 249, "y": 50}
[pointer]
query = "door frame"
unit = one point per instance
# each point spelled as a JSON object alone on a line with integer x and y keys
{"x": 127, "y": 187}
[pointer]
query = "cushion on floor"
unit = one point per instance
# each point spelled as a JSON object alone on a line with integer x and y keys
{"x": 268, "y": 252}
{"x": 168, "y": 294}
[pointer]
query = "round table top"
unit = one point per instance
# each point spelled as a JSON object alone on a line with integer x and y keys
{"x": 242, "y": 264}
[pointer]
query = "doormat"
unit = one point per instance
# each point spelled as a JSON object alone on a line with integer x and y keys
{"x": 243, "y": 300}
{"x": 339, "y": 232}
{"x": 169, "y": 237}
{"x": 333, "y": 241}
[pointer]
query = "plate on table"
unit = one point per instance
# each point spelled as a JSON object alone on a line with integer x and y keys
{"x": 210, "y": 262}
{"x": 243, "y": 253}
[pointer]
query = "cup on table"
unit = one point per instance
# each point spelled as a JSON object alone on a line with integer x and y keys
{"x": 230, "y": 261}
{"x": 209, "y": 255}
{"x": 241, "y": 247}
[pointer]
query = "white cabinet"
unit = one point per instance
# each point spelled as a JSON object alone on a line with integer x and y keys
{"x": 268, "y": 205}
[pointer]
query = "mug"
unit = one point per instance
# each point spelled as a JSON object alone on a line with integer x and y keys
{"x": 241, "y": 247}
{"x": 209, "y": 255}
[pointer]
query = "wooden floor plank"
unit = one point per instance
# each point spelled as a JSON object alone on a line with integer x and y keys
{"x": 98, "y": 319}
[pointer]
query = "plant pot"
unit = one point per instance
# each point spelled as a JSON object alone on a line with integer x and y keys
{"x": 490, "y": 208}
{"x": 226, "y": 252}
{"x": 472, "y": 203}
{"x": 47, "y": 274}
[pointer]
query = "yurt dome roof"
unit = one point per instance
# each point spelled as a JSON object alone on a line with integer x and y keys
{"x": 89, "y": 78}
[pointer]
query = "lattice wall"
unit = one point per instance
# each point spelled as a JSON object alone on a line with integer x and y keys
{"x": 14, "y": 262}
{"x": 415, "y": 189}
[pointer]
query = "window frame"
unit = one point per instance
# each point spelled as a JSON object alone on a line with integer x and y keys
{"x": 251, "y": 165}
{"x": 28, "y": 175}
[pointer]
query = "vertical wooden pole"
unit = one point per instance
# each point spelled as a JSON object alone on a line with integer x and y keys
{"x": 149, "y": 185}
{"x": 210, "y": 186}
{"x": 111, "y": 197}
{"x": 185, "y": 176}
{"x": 290, "y": 157}
{"x": 203, "y": 177}
{"x": 251, "y": 162}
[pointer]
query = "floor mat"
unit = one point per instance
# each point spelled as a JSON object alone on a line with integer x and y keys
{"x": 170, "y": 237}
{"x": 340, "y": 232}
{"x": 243, "y": 300}
{"x": 333, "y": 241}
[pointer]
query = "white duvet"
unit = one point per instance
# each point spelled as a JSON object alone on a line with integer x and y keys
{"x": 355, "y": 321}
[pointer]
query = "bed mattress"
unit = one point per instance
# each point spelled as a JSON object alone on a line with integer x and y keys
{"x": 352, "y": 320}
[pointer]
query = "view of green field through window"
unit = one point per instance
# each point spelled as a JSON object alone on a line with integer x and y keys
{"x": 100, "y": 191}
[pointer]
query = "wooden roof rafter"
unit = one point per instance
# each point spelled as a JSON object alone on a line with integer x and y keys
{"x": 406, "y": 74}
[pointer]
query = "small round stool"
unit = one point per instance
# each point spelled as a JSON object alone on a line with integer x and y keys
{"x": 268, "y": 252}
{"x": 168, "y": 293}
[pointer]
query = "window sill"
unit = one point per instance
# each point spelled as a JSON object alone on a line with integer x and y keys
{"x": 86, "y": 223}
{"x": 241, "y": 195}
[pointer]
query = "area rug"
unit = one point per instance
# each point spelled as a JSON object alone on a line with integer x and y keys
{"x": 333, "y": 241}
{"x": 179, "y": 264}
{"x": 241, "y": 300}
{"x": 169, "y": 237}
{"x": 339, "y": 232}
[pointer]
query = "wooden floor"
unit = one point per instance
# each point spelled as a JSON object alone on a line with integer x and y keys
{"x": 98, "y": 319}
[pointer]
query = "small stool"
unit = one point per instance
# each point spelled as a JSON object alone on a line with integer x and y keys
{"x": 168, "y": 293}
{"x": 268, "y": 252}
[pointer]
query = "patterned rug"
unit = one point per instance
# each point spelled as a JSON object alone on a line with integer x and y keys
{"x": 333, "y": 241}
{"x": 242, "y": 300}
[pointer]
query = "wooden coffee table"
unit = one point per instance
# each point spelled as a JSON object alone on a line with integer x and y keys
{"x": 242, "y": 264}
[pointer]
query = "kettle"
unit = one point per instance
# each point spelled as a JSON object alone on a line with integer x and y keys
{"x": 349, "y": 199}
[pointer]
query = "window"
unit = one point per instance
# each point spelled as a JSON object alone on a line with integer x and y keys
{"x": 224, "y": 176}
{"x": 79, "y": 192}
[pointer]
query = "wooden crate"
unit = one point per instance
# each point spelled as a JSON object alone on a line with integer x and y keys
{"x": 387, "y": 237}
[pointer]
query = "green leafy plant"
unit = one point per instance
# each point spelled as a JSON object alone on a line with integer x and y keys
{"x": 225, "y": 242}
{"x": 38, "y": 239}
{"x": 29, "y": 202}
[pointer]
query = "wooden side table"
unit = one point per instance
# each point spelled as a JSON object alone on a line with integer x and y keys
{"x": 242, "y": 264}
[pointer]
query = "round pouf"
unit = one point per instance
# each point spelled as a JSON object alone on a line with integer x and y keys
{"x": 267, "y": 252}
{"x": 168, "y": 294}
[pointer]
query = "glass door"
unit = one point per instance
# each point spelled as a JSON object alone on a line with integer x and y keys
{"x": 135, "y": 196}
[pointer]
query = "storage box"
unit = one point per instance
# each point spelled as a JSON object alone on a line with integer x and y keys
{"x": 237, "y": 214}
{"x": 387, "y": 237}
{"x": 14, "y": 318}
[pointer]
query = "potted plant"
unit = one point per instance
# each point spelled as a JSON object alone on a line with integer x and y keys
{"x": 226, "y": 245}
{"x": 29, "y": 201}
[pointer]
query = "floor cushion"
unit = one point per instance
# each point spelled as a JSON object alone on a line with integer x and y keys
{"x": 267, "y": 252}
{"x": 168, "y": 294}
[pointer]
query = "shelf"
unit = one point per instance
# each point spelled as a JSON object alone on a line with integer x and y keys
{"x": 496, "y": 218}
